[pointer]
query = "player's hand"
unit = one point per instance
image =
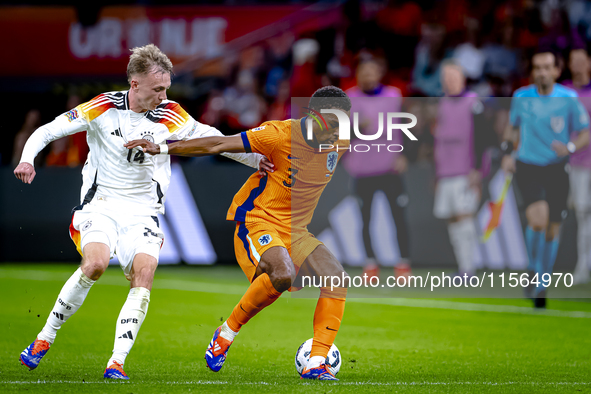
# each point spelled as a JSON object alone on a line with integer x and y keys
{"x": 265, "y": 166}
{"x": 401, "y": 164}
{"x": 560, "y": 149}
{"x": 25, "y": 172}
{"x": 145, "y": 145}
{"x": 508, "y": 164}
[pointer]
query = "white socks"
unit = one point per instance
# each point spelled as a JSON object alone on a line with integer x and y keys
{"x": 69, "y": 300}
{"x": 464, "y": 239}
{"x": 227, "y": 333}
{"x": 129, "y": 322}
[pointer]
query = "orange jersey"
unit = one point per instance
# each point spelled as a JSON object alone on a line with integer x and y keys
{"x": 287, "y": 197}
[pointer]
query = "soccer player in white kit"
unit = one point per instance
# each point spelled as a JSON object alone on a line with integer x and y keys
{"x": 123, "y": 191}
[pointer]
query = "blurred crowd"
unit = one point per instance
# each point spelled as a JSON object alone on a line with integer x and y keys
{"x": 407, "y": 40}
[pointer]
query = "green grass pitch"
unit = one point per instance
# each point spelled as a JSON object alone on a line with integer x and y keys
{"x": 387, "y": 345}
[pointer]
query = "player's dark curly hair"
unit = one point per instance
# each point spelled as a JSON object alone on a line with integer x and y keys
{"x": 330, "y": 97}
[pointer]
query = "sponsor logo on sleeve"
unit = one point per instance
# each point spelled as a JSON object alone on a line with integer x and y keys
{"x": 72, "y": 114}
{"x": 193, "y": 129}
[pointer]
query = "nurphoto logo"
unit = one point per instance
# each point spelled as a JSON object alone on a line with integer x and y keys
{"x": 392, "y": 124}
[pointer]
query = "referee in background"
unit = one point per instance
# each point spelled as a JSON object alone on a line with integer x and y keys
{"x": 537, "y": 145}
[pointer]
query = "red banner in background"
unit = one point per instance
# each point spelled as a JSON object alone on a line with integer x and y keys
{"x": 49, "y": 41}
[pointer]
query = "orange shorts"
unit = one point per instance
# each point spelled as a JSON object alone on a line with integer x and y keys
{"x": 251, "y": 240}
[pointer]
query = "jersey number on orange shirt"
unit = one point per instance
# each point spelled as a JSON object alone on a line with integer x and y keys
{"x": 291, "y": 177}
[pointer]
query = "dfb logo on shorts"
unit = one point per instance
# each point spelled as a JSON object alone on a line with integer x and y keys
{"x": 265, "y": 239}
{"x": 87, "y": 225}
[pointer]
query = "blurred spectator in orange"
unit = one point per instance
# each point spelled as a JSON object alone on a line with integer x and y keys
{"x": 58, "y": 153}
{"x": 70, "y": 151}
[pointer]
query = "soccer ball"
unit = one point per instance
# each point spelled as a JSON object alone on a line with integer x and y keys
{"x": 333, "y": 360}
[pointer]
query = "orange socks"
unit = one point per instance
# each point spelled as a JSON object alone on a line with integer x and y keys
{"x": 260, "y": 294}
{"x": 327, "y": 316}
{"x": 327, "y": 319}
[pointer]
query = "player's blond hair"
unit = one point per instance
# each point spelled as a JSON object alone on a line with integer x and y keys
{"x": 146, "y": 59}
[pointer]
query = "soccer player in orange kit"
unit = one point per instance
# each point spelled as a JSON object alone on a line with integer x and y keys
{"x": 272, "y": 212}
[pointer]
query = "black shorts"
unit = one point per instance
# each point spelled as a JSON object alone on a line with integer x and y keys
{"x": 544, "y": 183}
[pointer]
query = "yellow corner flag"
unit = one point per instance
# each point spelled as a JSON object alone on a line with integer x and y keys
{"x": 495, "y": 210}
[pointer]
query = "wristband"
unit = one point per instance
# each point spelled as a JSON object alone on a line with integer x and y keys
{"x": 571, "y": 147}
{"x": 507, "y": 147}
{"x": 163, "y": 149}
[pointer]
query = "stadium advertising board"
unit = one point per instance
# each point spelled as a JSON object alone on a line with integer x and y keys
{"x": 102, "y": 49}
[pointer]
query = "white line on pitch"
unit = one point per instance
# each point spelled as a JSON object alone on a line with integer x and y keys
{"x": 470, "y": 307}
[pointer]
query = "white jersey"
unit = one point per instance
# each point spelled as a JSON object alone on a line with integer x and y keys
{"x": 129, "y": 178}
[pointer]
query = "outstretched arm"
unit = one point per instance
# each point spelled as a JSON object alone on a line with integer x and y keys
{"x": 195, "y": 147}
{"x": 62, "y": 126}
{"x": 202, "y": 147}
